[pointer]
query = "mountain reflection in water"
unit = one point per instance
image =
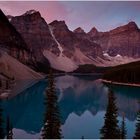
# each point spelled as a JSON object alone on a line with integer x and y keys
{"x": 82, "y": 102}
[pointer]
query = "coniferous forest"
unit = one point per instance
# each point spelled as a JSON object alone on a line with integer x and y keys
{"x": 127, "y": 73}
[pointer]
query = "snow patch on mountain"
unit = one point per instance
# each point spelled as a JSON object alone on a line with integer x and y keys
{"x": 114, "y": 61}
{"x": 66, "y": 64}
{"x": 106, "y": 54}
{"x": 30, "y": 12}
{"x": 59, "y": 46}
{"x": 60, "y": 62}
{"x": 9, "y": 17}
{"x": 118, "y": 57}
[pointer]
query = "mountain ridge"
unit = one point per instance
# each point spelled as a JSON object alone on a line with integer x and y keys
{"x": 55, "y": 44}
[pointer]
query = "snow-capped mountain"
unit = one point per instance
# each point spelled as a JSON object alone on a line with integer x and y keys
{"x": 65, "y": 50}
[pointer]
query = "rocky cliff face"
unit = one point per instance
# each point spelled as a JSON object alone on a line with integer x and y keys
{"x": 124, "y": 40}
{"x": 35, "y": 31}
{"x": 11, "y": 41}
{"x": 65, "y": 50}
{"x": 36, "y": 34}
{"x": 80, "y": 33}
{"x": 74, "y": 40}
{"x": 47, "y": 42}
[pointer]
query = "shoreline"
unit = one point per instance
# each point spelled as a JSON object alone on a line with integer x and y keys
{"x": 119, "y": 83}
{"x": 14, "y": 92}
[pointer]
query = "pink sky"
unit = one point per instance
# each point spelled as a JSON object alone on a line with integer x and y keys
{"x": 103, "y": 15}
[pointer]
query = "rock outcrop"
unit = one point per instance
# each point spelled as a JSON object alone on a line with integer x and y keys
{"x": 80, "y": 33}
{"x": 74, "y": 40}
{"x": 47, "y": 42}
{"x": 124, "y": 40}
{"x": 54, "y": 44}
{"x": 36, "y": 34}
{"x": 11, "y": 41}
{"x": 35, "y": 31}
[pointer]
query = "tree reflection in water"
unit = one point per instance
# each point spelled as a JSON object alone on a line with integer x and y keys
{"x": 9, "y": 129}
{"x": 137, "y": 131}
{"x": 123, "y": 131}
{"x": 110, "y": 130}
{"x": 52, "y": 124}
{"x": 2, "y": 134}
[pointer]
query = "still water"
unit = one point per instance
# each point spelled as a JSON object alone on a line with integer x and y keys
{"x": 82, "y": 102}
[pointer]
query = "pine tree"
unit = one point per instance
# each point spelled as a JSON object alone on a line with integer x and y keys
{"x": 123, "y": 131}
{"x": 52, "y": 124}
{"x": 110, "y": 130}
{"x": 9, "y": 129}
{"x": 137, "y": 131}
{"x": 2, "y": 134}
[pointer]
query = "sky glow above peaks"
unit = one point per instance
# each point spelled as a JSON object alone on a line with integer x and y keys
{"x": 104, "y": 15}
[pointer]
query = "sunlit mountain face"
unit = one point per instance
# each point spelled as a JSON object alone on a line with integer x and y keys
{"x": 82, "y": 102}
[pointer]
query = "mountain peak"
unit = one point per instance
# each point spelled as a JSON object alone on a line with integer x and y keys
{"x": 31, "y": 15}
{"x": 9, "y": 17}
{"x": 132, "y": 24}
{"x": 30, "y": 12}
{"x": 79, "y": 30}
{"x": 9, "y": 37}
{"x": 61, "y": 24}
{"x": 93, "y": 30}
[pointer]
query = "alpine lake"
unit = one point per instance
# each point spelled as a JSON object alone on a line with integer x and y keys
{"x": 83, "y": 102}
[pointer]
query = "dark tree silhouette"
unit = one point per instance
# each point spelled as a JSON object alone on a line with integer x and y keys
{"x": 52, "y": 124}
{"x": 9, "y": 129}
{"x": 123, "y": 131}
{"x": 137, "y": 131}
{"x": 0, "y": 83}
{"x": 110, "y": 130}
{"x": 2, "y": 134}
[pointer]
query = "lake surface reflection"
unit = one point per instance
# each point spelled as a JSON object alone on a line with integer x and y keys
{"x": 82, "y": 101}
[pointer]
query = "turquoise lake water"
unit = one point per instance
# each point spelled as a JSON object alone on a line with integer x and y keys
{"x": 82, "y": 101}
